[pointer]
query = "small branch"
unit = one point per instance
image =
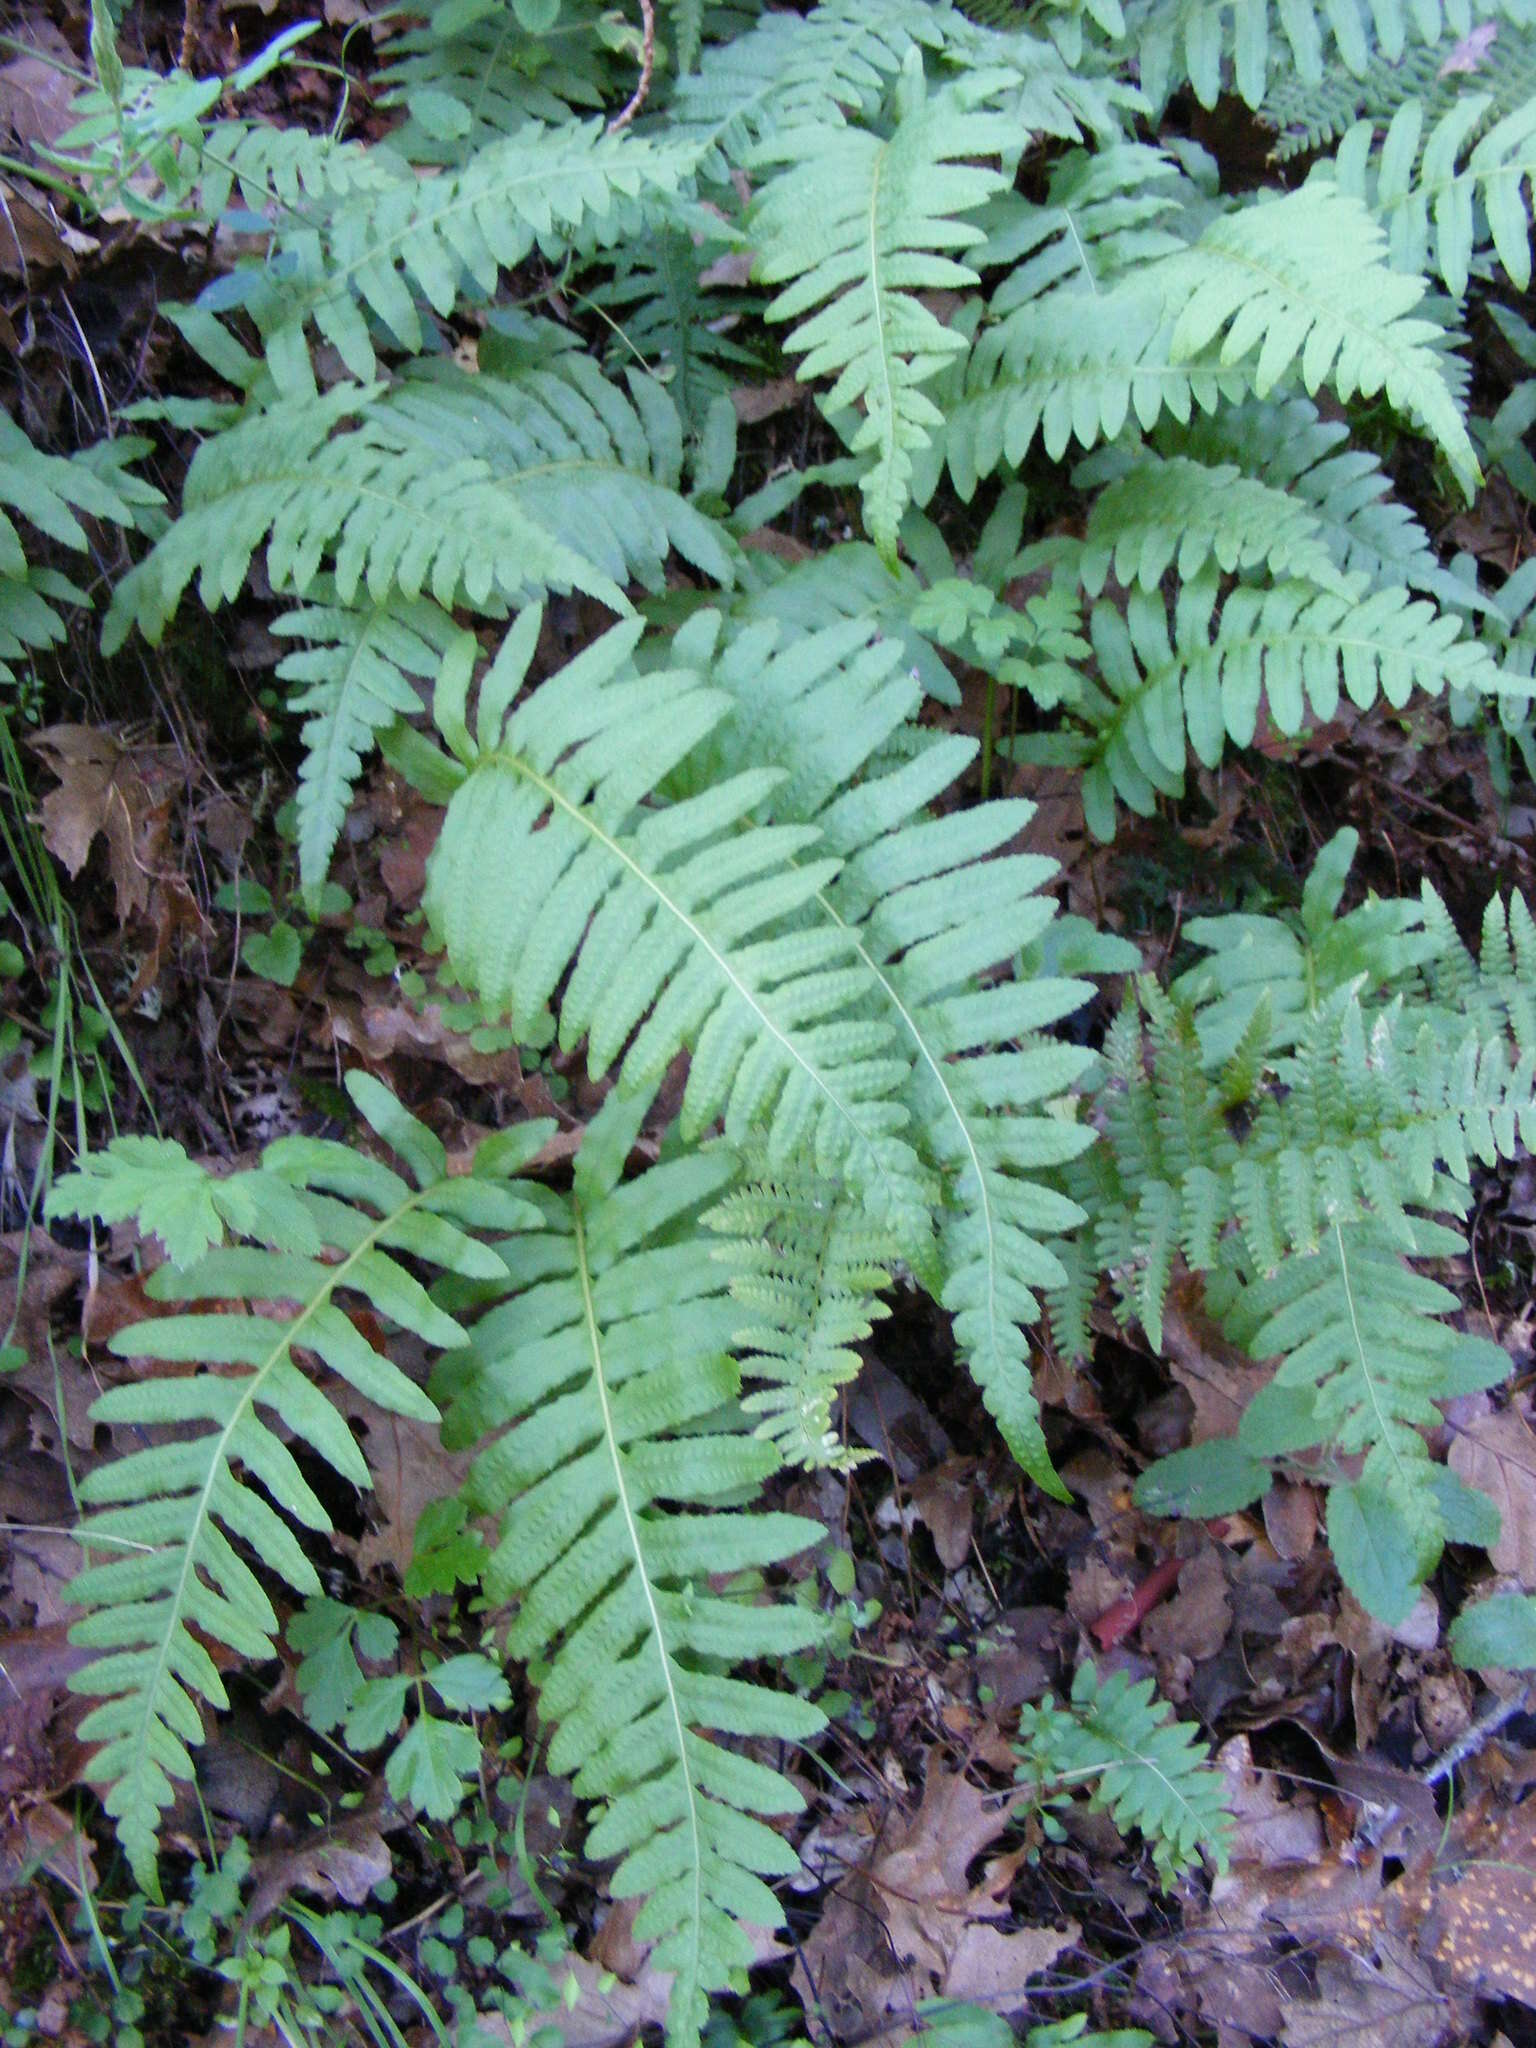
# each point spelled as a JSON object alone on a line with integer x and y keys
{"x": 647, "y": 61}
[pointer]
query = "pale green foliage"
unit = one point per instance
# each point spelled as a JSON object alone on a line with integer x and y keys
{"x": 47, "y": 493}
{"x": 363, "y": 666}
{"x": 855, "y": 229}
{"x": 726, "y": 857}
{"x": 1249, "y": 43}
{"x": 1142, "y": 1767}
{"x": 1362, "y": 1123}
{"x": 482, "y": 490}
{"x": 167, "y": 1523}
{"x": 809, "y": 1269}
{"x": 591, "y": 1388}
{"x": 1436, "y": 208}
{"x": 1161, "y": 689}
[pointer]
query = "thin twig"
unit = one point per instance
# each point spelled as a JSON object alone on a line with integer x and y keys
{"x": 647, "y": 59}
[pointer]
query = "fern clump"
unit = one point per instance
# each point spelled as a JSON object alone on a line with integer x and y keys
{"x": 661, "y": 442}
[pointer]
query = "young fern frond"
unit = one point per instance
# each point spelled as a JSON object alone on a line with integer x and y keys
{"x": 1142, "y": 1767}
{"x": 809, "y": 1270}
{"x": 172, "y": 1525}
{"x": 853, "y": 227}
{"x": 478, "y": 490}
{"x": 592, "y": 1388}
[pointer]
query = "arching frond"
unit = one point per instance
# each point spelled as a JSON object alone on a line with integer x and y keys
{"x": 478, "y": 490}
{"x": 171, "y": 1526}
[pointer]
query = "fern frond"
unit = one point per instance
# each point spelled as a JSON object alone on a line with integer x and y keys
{"x": 800, "y": 73}
{"x": 47, "y": 492}
{"x": 1439, "y": 212}
{"x": 1290, "y": 648}
{"x": 1074, "y": 370}
{"x": 1173, "y": 512}
{"x": 668, "y": 928}
{"x": 609, "y": 1486}
{"x": 1208, "y": 42}
{"x": 408, "y": 245}
{"x": 1296, "y": 964}
{"x": 1364, "y": 1344}
{"x": 1144, "y": 1768}
{"x": 666, "y": 315}
{"x": 1497, "y": 40}
{"x": 360, "y": 667}
{"x": 854, "y": 227}
{"x": 1287, "y": 444}
{"x": 1106, "y": 212}
{"x": 468, "y": 75}
{"x": 809, "y": 1270}
{"x": 478, "y": 490}
{"x": 1301, "y": 281}
{"x": 927, "y": 906}
{"x": 179, "y": 1518}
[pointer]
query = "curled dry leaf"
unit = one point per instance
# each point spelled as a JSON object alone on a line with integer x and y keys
{"x": 1497, "y": 1454}
{"x": 911, "y": 1926}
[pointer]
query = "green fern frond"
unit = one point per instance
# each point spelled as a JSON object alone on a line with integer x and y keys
{"x": 46, "y": 492}
{"x": 1155, "y": 694}
{"x": 1286, "y": 444}
{"x": 360, "y": 668}
{"x": 1251, "y": 42}
{"x": 1301, "y": 282}
{"x": 1070, "y": 372}
{"x": 1173, "y": 512}
{"x": 406, "y": 249}
{"x": 671, "y": 927}
{"x": 927, "y": 906}
{"x": 1500, "y": 59}
{"x": 177, "y": 1518}
{"x": 1438, "y": 211}
{"x": 611, "y": 1487}
{"x": 1144, "y": 1768}
{"x": 477, "y": 490}
{"x": 854, "y": 227}
{"x": 1106, "y": 212}
{"x": 801, "y": 73}
{"x": 674, "y": 323}
{"x": 1294, "y": 964}
{"x": 1366, "y": 1353}
{"x": 468, "y": 75}
{"x": 809, "y": 1270}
